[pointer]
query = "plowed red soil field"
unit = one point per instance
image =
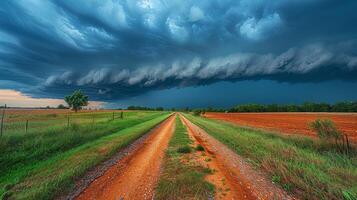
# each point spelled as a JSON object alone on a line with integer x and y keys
{"x": 291, "y": 123}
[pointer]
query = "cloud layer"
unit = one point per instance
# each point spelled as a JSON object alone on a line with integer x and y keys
{"x": 116, "y": 49}
{"x": 312, "y": 59}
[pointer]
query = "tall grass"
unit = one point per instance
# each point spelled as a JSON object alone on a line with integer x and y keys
{"x": 21, "y": 154}
{"x": 182, "y": 180}
{"x": 300, "y": 165}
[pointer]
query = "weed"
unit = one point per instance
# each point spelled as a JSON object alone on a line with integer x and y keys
{"x": 184, "y": 149}
{"x": 200, "y": 148}
{"x": 276, "y": 179}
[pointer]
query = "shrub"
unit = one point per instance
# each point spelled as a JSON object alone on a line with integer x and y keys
{"x": 197, "y": 112}
{"x": 325, "y": 129}
{"x": 200, "y": 148}
{"x": 184, "y": 149}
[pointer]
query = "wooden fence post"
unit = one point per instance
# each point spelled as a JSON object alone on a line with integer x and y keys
{"x": 93, "y": 118}
{"x": 2, "y": 121}
{"x": 26, "y": 126}
{"x": 348, "y": 144}
{"x": 343, "y": 144}
{"x": 113, "y": 115}
{"x": 121, "y": 114}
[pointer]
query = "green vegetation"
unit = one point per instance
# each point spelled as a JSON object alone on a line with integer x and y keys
{"x": 198, "y": 112}
{"x": 328, "y": 132}
{"x": 325, "y": 129}
{"x": 19, "y": 124}
{"x": 144, "y": 108}
{"x": 76, "y": 100}
{"x": 305, "y": 107}
{"x": 304, "y": 166}
{"x": 38, "y": 165}
{"x": 184, "y": 149}
{"x": 200, "y": 148}
{"x": 61, "y": 106}
{"x": 182, "y": 180}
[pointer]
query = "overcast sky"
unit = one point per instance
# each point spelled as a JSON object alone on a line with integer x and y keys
{"x": 180, "y": 53}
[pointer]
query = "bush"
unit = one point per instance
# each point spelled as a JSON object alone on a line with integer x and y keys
{"x": 200, "y": 148}
{"x": 184, "y": 149}
{"x": 325, "y": 129}
{"x": 197, "y": 112}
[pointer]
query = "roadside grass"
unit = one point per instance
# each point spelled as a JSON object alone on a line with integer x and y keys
{"x": 15, "y": 123}
{"x": 301, "y": 165}
{"x": 182, "y": 180}
{"x": 37, "y": 165}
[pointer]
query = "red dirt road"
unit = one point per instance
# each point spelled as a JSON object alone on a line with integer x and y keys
{"x": 242, "y": 180}
{"x": 135, "y": 176}
{"x": 291, "y": 123}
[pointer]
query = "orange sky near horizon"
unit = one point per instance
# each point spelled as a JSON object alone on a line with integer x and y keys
{"x": 13, "y": 98}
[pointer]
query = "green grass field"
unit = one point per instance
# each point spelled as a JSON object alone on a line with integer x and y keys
{"x": 15, "y": 123}
{"x": 39, "y": 164}
{"x": 300, "y": 165}
{"x": 182, "y": 180}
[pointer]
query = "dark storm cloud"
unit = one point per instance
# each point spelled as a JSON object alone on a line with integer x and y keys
{"x": 117, "y": 49}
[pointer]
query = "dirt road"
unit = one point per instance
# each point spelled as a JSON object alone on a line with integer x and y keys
{"x": 135, "y": 176}
{"x": 291, "y": 123}
{"x": 242, "y": 181}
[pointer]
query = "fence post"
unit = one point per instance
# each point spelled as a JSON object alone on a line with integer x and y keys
{"x": 113, "y": 115}
{"x": 121, "y": 114}
{"x": 26, "y": 126}
{"x": 343, "y": 144}
{"x": 93, "y": 118}
{"x": 2, "y": 121}
{"x": 348, "y": 144}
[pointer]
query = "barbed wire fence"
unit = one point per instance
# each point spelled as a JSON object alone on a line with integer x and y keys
{"x": 25, "y": 123}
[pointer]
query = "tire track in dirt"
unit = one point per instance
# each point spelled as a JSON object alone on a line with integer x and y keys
{"x": 135, "y": 176}
{"x": 225, "y": 188}
{"x": 242, "y": 180}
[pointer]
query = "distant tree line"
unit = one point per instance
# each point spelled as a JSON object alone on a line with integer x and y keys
{"x": 145, "y": 108}
{"x": 305, "y": 107}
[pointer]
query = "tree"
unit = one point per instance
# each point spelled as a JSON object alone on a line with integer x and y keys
{"x": 61, "y": 106}
{"x": 159, "y": 108}
{"x": 77, "y": 100}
